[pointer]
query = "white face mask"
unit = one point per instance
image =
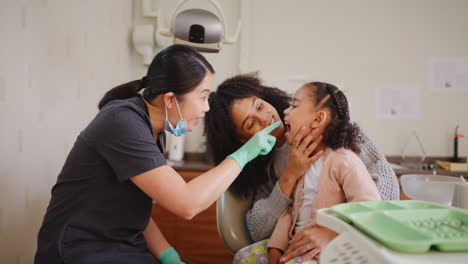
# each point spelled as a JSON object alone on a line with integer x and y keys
{"x": 181, "y": 127}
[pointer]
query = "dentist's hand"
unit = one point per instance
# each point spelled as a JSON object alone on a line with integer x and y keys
{"x": 170, "y": 256}
{"x": 260, "y": 144}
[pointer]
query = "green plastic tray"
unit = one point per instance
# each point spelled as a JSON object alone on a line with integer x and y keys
{"x": 408, "y": 226}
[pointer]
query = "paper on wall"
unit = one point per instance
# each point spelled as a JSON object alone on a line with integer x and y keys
{"x": 397, "y": 102}
{"x": 448, "y": 74}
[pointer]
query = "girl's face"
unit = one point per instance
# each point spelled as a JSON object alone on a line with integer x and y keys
{"x": 302, "y": 112}
{"x": 252, "y": 114}
{"x": 194, "y": 104}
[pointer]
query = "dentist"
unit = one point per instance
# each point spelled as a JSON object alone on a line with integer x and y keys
{"x": 100, "y": 209}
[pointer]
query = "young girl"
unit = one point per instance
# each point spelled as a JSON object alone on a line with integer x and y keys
{"x": 339, "y": 176}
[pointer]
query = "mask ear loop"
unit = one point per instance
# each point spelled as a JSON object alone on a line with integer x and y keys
{"x": 180, "y": 113}
{"x": 165, "y": 110}
{"x": 181, "y": 118}
{"x": 178, "y": 110}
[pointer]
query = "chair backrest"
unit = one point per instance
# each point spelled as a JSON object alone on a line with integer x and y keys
{"x": 230, "y": 218}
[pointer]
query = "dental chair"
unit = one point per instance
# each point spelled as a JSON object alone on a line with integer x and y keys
{"x": 230, "y": 218}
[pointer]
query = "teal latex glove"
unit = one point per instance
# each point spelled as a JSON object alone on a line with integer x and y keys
{"x": 170, "y": 256}
{"x": 260, "y": 144}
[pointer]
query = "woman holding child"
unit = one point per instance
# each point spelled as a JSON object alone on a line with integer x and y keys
{"x": 339, "y": 162}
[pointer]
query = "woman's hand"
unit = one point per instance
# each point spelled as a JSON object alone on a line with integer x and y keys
{"x": 300, "y": 154}
{"x": 300, "y": 157}
{"x": 274, "y": 256}
{"x": 308, "y": 243}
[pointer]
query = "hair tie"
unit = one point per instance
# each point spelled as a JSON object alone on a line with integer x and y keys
{"x": 144, "y": 82}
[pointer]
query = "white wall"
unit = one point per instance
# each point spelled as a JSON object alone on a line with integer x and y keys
{"x": 58, "y": 58}
{"x": 361, "y": 45}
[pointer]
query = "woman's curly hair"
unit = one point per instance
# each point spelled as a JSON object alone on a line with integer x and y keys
{"x": 222, "y": 138}
{"x": 340, "y": 133}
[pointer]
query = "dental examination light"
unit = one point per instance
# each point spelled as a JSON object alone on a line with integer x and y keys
{"x": 199, "y": 28}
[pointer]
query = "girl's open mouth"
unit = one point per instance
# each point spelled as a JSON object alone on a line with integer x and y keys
{"x": 288, "y": 128}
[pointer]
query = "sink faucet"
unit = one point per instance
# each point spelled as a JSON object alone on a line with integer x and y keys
{"x": 423, "y": 152}
{"x": 455, "y": 144}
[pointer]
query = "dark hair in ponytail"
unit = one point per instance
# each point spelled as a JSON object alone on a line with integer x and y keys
{"x": 177, "y": 68}
{"x": 340, "y": 133}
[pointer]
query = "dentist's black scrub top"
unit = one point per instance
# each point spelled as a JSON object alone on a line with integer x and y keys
{"x": 96, "y": 214}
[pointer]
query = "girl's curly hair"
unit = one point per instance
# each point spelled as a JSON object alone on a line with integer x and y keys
{"x": 340, "y": 133}
{"x": 222, "y": 138}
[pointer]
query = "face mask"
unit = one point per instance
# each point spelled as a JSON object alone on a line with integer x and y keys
{"x": 181, "y": 127}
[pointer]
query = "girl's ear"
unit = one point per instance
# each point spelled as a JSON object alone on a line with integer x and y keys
{"x": 169, "y": 99}
{"x": 320, "y": 119}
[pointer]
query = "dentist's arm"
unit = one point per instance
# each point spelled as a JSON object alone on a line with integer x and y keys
{"x": 155, "y": 240}
{"x": 186, "y": 200}
{"x": 158, "y": 245}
